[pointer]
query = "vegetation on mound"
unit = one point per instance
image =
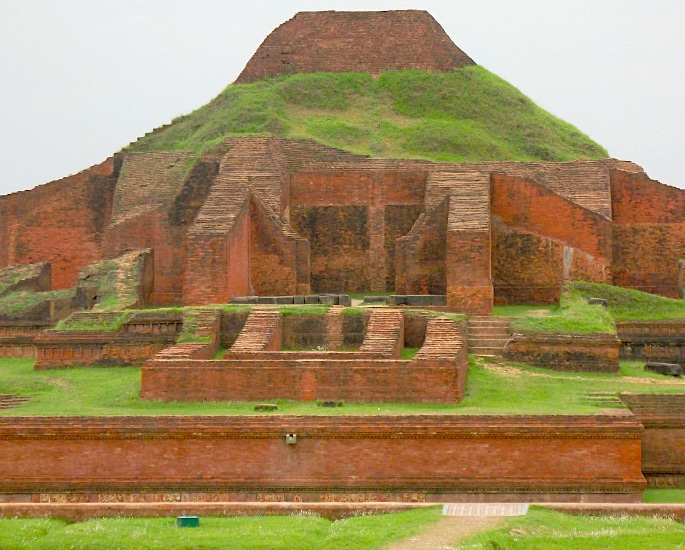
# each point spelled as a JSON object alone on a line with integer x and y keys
{"x": 549, "y": 530}
{"x": 273, "y": 532}
{"x": 23, "y": 300}
{"x": 466, "y": 115}
{"x": 491, "y": 388}
{"x": 93, "y": 321}
{"x": 574, "y": 316}
{"x": 632, "y": 305}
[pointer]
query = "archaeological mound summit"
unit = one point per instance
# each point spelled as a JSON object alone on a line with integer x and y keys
{"x": 357, "y": 152}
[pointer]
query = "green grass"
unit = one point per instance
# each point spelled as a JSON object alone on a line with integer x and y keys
{"x": 521, "y": 310}
{"x": 257, "y": 532}
{"x": 466, "y": 115}
{"x": 543, "y": 529}
{"x": 492, "y": 388}
{"x": 632, "y": 305}
{"x": 313, "y": 309}
{"x": 95, "y": 322}
{"x": 15, "y": 302}
{"x": 667, "y": 496}
{"x": 574, "y": 316}
{"x": 408, "y": 353}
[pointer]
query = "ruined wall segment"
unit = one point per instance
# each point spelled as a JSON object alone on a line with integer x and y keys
{"x": 146, "y": 189}
{"x": 649, "y": 233}
{"x": 542, "y": 239}
{"x": 61, "y": 222}
{"x": 339, "y": 42}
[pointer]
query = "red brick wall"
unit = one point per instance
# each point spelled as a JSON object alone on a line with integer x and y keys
{"x": 240, "y": 458}
{"x": 541, "y": 239}
{"x": 152, "y": 230}
{"x": 575, "y": 353}
{"x": 421, "y": 256}
{"x": 207, "y": 261}
{"x": 273, "y": 256}
{"x": 663, "y": 441}
{"x": 352, "y": 220}
{"x": 649, "y": 236}
{"x": 338, "y": 42}
{"x": 362, "y": 380}
{"x": 653, "y": 341}
{"x": 469, "y": 289}
{"x": 61, "y": 222}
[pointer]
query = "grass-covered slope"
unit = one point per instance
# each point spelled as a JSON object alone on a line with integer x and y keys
{"x": 576, "y": 316}
{"x": 466, "y": 115}
{"x": 632, "y": 305}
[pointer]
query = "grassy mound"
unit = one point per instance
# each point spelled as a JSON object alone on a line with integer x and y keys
{"x": 466, "y": 115}
{"x": 574, "y": 316}
{"x": 632, "y": 305}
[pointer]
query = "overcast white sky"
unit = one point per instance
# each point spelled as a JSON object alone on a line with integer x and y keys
{"x": 79, "y": 79}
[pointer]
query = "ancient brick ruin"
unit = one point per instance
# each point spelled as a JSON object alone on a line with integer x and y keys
{"x": 258, "y": 216}
{"x": 267, "y": 216}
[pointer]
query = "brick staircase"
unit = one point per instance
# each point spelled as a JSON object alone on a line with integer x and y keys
{"x": 8, "y": 401}
{"x": 488, "y": 335}
{"x": 262, "y": 332}
{"x": 334, "y": 328}
{"x": 384, "y": 334}
{"x": 205, "y": 324}
{"x": 443, "y": 340}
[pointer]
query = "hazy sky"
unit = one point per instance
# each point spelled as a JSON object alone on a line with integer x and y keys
{"x": 79, "y": 79}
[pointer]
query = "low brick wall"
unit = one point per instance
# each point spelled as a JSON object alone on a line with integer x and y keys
{"x": 420, "y": 458}
{"x": 16, "y": 339}
{"x": 76, "y": 349}
{"x": 663, "y": 441}
{"x": 565, "y": 352}
{"x": 353, "y": 380}
{"x": 652, "y": 340}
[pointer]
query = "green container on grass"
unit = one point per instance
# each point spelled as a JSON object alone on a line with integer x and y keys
{"x": 188, "y": 521}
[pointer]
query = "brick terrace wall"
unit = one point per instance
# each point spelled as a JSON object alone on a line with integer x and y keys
{"x": 74, "y": 349}
{"x": 541, "y": 239}
{"x": 420, "y": 257}
{"x": 273, "y": 255}
{"x": 146, "y": 189}
{"x": 663, "y": 441}
{"x": 16, "y": 340}
{"x": 61, "y": 222}
{"x": 649, "y": 235}
{"x": 301, "y": 380}
{"x": 352, "y": 219}
{"x": 653, "y": 341}
{"x": 575, "y": 353}
{"x": 421, "y": 458}
{"x": 340, "y": 42}
{"x": 304, "y": 331}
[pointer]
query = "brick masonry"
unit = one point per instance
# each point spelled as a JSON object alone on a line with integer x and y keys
{"x": 653, "y": 341}
{"x": 338, "y": 42}
{"x": 663, "y": 440}
{"x": 428, "y": 458}
{"x": 566, "y": 352}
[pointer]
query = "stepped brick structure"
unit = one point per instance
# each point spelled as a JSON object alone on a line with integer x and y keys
{"x": 268, "y": 216}
{"x": 343, "y": 42}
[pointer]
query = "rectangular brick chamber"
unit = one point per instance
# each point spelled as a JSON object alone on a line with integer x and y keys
{"x": 421, "y": 458}
{"x": 352, "y": 380}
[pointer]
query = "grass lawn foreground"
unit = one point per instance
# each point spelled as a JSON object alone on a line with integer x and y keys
{"x": 493, "y": 387}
